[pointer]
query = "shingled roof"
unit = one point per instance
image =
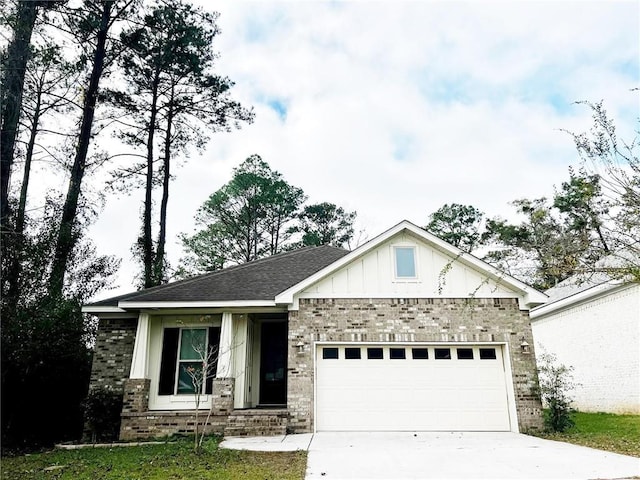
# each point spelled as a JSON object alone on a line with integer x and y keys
{"x": 258, "y": 280}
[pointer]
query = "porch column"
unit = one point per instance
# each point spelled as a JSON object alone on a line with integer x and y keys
{"x": 226, "y": 345}
{"x": 240, "y": 359}
{"x": 140, "y": 361}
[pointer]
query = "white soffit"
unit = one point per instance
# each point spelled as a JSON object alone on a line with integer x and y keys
{"x": 102, "y": 309}
{"x": 199, "y": 304}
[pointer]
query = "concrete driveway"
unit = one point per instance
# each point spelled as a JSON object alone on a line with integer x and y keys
{"x": 425, "y": 455}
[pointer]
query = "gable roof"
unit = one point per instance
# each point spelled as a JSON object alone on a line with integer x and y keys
{"x": 531, "y": 296}
{"x": 259, "y": 280}
{"x": 277, "y": 279}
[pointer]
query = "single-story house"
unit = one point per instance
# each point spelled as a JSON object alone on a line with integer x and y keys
{"x": 593, "y": 325}
{"x": 404, "y": 333}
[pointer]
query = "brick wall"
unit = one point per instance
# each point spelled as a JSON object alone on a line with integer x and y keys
{"x": 112, "y": 357}
{"x": 256, "y": 423}
{"x": 140, "y": 423}
{"x": 113, "y": 352}
{"x": 136, "y": 395}
{"x": 600, "y": 339}
{"x": 222, "y": 396}
{"x": 408, "y": 320}
{"x": 158, "y": 424}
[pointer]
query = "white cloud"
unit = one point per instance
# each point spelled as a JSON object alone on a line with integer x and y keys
{"x": 395, "y": 108}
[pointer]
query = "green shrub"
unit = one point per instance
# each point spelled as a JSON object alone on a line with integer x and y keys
{"x": 102, "y": 410}
{"x": 555, "y": 383}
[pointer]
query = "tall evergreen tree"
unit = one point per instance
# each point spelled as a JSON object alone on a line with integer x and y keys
{"x": 94, "y": 22}
{"x": 49, "y": 84}
{"x": 324, "y": 224}
{"x": 13, "y": 69}
{"x": 248, "y": 218}
{"x": 172, "y": 99}
{"x": 457, "y": 224}
{"x": 14, "y": 66}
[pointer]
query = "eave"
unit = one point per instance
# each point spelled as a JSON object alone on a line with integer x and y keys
{"x": 198, "y": 304}
{"x": 577, "y": 298}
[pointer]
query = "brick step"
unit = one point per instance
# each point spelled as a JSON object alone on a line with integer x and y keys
{"x": 256, "y": 423}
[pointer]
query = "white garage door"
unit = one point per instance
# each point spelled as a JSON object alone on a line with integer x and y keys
{"x": 409, "y": 387}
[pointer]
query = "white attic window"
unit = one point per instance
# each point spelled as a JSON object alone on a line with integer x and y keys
{"x": 405, "y": 262}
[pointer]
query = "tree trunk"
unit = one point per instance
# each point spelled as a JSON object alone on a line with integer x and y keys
{"x": 15, "y": 265}
{"x": 274, "y": 248}
{"x": 605, "y": 247}
{"x": 147, "y": 238}
{"x": 18, "y": 54}
{"x": 66, "y": 238}
{"x": 22, "y": 204}
{"x": 162, "y": 235}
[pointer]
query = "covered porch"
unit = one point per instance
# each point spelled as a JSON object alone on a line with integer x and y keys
{"x": 244, "y": 388}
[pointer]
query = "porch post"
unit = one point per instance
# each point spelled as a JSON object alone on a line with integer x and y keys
{"x": 226, "y": 345}
{"x": 240, "y": 359}
{"x": 140, "y": 361}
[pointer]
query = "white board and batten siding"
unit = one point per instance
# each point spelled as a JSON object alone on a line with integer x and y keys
{"x": 437, "y": 275}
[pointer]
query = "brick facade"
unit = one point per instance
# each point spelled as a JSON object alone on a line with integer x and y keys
{"x": 573, "y": 333}
{"x": 139, "y": 422}
{"x": 409, "y": 320}
{"x": 257, "y": 423}
{"x": 323, "y": 320}
{"x": 113, "y": 352}
{"x": 112, "y": 355}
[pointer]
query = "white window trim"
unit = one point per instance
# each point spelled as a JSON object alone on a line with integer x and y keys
{"x": 175, "y": 401}
{"x": 394, "y": 265}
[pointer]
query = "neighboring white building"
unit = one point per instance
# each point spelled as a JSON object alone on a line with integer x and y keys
{"x": 594, "y": 327}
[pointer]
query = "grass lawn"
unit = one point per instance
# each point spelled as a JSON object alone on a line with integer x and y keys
{"x": 156, "y": 462}
{"x": 605, "y": 431}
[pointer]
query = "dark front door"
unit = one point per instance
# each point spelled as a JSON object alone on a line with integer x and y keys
{"x": 273, "y": 363}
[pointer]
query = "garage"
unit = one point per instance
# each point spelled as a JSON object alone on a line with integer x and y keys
{"x": 368, "y": 387}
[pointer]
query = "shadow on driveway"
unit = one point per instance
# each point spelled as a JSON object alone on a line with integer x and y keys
{"x": 462, "y": 455}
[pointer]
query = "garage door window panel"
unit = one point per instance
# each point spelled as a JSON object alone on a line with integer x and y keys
{"x": 352, "y": 354}
{"x": 329, "y": 353}
{"x": 420, "y": 353}
{"x": 487, "y": 354}
{"x": 464, "y": 353}
{"x": 442, "y": 354}
{"x": 375, "y": 353}
{"x": 397, "y": 354}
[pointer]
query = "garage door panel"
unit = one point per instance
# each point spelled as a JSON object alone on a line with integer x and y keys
{"x": 407, "y": 394}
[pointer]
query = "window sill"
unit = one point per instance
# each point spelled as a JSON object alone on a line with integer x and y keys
{"x": 185, "y": 398}
{"x": 178, "y": 402}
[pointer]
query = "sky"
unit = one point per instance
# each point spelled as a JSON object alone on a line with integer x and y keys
{"x": 394, "y": 108}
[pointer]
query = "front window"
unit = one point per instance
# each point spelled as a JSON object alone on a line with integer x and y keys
{"x": 184, "y": 353}
{"x": 405, "y": 262}
{"x": 193, "y": 354}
